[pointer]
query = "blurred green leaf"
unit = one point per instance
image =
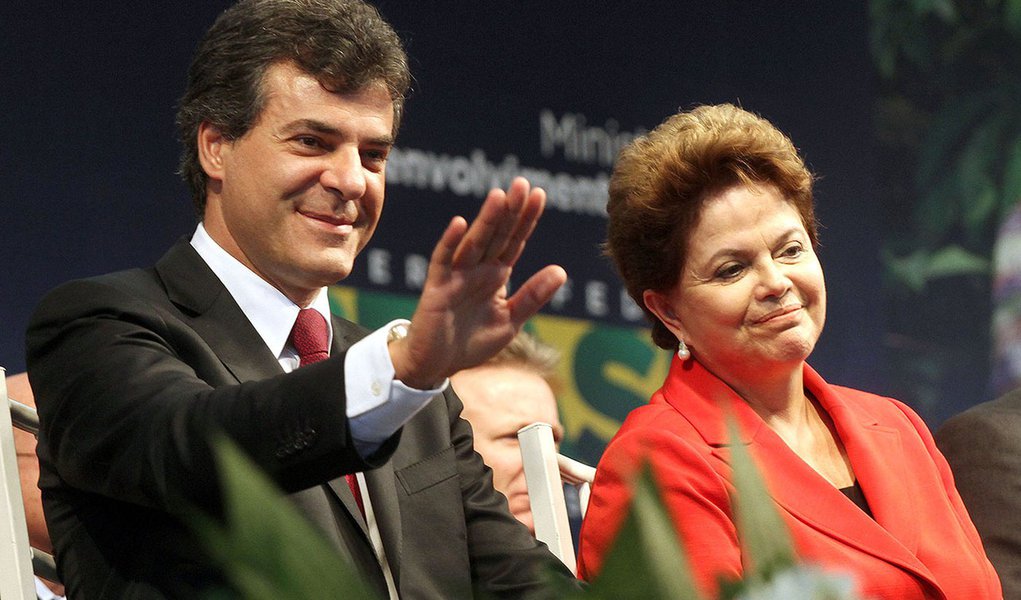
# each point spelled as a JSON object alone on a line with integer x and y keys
{"x": 1012, "y": 17}
{"x": 907, "y": 271}
{"x": 944, "y": 9}
{"x": 918, "y": 269}
{"x": 977, "y": 165}
{"x": 948, "y": 128}
{"x": 980, "y": 212}
{"x": 953, "y": 261}
{"x": 765, "y": 542}
{"x": 266, "y": 547}
{"x": 646, "y": 561}
{"x": 1011, "y": 193}
{"x": 937, "y": 213}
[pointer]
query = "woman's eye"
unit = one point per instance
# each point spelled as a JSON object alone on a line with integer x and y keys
{"x": 729, "y": 271}
{"x": 792, "y": 251}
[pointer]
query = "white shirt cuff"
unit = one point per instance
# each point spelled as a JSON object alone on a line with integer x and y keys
{"x": 377, "y": 404}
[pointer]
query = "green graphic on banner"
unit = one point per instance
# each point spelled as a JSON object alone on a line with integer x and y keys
{"x": 604, "y": 371}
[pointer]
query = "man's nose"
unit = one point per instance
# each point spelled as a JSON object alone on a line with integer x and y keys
{"x": 345, "y": 174}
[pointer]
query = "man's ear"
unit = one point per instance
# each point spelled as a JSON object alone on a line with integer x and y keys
{"x": 212, "y": 147}
{"x": 660, "y": 305}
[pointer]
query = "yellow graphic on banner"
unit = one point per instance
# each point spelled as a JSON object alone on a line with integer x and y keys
{"x": 344, "y": 302}
{"x": 604, "y": 371}
{"x": 576, "y": 414}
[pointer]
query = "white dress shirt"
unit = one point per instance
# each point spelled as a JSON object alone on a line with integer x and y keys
{"x": 377, "y": 404}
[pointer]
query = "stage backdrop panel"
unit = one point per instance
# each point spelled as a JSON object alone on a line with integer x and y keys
{"x": 536, "y": 88}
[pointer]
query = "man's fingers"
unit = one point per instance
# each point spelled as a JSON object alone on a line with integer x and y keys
{"x": 443, "y": 253}
{"x": 525, "y": 224}
{"x": 498, "y": 225}
{"x": 492, "y": 216}
{"x": 535, "y": 292}
{"x": 516, "y": 198}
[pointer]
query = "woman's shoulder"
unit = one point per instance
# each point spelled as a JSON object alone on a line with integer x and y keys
{"x": 655, "y": 416}
{"x": 883, "y": 409}
{"x": 655, "y": 431}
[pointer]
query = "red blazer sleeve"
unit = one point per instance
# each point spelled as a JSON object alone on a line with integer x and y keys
{"x": 696, "y": 497}
{"x": 947, "y": 477}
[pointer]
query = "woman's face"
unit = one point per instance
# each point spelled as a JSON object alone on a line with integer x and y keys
{"x": 751, "y": 292}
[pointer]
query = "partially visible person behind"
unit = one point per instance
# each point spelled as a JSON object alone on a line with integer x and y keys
{"x": 983, "y": 447}
{"x": 511, "y": 390}
{"x": 712, "y": 228}
{"x": 1006, "y": 299}
{"x": 19, "y": 390}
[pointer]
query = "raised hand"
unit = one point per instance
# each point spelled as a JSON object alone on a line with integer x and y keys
{"x": 464, "y": 315}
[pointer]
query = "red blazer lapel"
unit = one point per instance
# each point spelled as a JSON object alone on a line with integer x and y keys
{"x": 704, "y": 400}
{"x": 877, "y": 456}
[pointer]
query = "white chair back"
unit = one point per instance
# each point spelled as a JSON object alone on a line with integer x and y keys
{"x": 16, "y": 579}
{"x": 545, "y": 473}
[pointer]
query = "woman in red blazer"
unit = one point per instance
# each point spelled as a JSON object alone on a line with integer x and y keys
{"x": 713, "y": 231}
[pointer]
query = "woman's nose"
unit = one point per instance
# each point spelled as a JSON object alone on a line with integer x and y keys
{"x": 773, "y": 281}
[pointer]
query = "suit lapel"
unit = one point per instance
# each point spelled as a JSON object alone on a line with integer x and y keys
{"x": 215, "y": 316}
{"x": 344, "y": 335}
{"x": 382, "y": 488}
{"x": 380, "y": 482}
{"x": 797, "y": 488}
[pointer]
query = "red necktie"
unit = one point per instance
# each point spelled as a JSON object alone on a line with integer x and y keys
{"x": 310, "y": 337}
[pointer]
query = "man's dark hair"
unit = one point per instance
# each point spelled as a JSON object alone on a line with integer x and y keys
{"x": 345, "y": 44}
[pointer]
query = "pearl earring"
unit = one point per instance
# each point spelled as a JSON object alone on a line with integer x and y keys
{"x": 682, "y": 350}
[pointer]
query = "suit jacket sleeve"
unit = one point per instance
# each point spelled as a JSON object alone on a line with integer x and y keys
{"x": 983, "y": 447}
{"x": 506, "y": 560}
{"x": 129, "y": 392}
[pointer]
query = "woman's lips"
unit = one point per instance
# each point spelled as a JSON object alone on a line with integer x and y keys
{"x": 778, "y": 313}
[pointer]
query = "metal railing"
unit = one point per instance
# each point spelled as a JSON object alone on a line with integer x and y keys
{"x": 18, "y": 560}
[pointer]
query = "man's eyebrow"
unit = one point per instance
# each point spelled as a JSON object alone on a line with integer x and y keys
{"x": 326, "y": 129}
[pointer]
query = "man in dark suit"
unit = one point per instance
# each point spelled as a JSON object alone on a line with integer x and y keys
{"x": 290, "y": 111}
{"x": 983, "y": 447}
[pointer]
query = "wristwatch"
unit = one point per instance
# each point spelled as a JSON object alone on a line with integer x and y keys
{"x": 398, "y": 331}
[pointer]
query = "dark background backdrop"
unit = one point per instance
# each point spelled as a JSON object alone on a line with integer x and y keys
{"x": 88, "y": 160}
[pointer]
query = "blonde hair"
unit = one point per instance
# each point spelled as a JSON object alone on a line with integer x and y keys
{"x": 528, "y": 352}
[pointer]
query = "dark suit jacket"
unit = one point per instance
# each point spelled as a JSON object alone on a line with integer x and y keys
{"x": 132, "y": 370}
{"x": 920, "y": 545}
{"x": 983, "y": 447}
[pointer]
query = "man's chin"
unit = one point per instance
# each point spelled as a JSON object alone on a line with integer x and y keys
{"x": 329, "y": 272}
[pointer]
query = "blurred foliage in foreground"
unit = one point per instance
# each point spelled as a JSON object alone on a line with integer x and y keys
{"x": 269, "y": 551}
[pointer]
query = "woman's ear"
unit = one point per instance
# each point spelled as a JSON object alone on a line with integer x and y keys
{"x": 212, "y": 145}
{"x": 661, "y": 305}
